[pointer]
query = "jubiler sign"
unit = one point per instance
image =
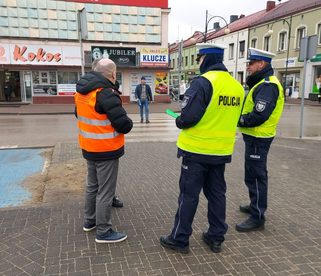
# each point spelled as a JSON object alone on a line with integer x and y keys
{"x": 122, "y": 56}
{"x": 154, "y": 57}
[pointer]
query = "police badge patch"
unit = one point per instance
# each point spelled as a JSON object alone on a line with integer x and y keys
{"x": 185, "y": 101}
{"x": 260, "y": 106}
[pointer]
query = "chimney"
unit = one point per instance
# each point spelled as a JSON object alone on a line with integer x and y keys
{"x": 233, "y": 18}
{"x": 270, "y": 5}
{"x": 216, "y": 26}
{"x": 241, "y": 16}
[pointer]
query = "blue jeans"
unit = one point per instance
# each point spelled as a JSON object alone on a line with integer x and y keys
{"x": 144, "y": 105}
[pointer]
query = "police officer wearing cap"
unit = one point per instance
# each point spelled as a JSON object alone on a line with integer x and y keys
{"x": 261, "y": 112}
{"x": 210, "y": 112}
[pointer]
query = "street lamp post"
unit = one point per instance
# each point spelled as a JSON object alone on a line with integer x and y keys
{"x": 207, "y": 21}
{"x": 287, "y": 53}
{"x": 289, "y": 23}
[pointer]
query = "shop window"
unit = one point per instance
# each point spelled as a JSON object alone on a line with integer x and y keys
{"x": 68, "y": 77}
{"x": 44, "y": 83}
{"x": 317, "y": 80}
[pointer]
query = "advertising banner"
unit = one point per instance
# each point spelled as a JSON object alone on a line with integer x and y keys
{"x": 161, "y": 83}
{"x": 66, "y": 89}
{"x": 123, "y": 57}
{"x": 25, "y": 54}
{"x": 4, "y": 54}
{"x": 154, "y": 57}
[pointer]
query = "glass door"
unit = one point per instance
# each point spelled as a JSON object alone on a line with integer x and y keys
{"x": 27, "y": 78}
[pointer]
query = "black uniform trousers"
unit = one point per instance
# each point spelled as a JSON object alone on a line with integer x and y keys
{"x": 256, "y": 174}
{"x": 194, "y": 177}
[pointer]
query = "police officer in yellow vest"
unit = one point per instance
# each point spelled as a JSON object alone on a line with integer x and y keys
{"x": 210, "y": 111}
{"x": 260, "y": 115}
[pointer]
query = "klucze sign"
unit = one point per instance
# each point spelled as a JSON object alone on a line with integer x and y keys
{"x": 40, "y": 54}
{"x": 154, "y": 57}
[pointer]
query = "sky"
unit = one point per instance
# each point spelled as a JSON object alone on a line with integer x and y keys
{"x": 186, "y": 17}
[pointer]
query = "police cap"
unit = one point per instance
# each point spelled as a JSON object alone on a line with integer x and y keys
{"x": 257, "y": 54}
{"x": 209, "y": 49}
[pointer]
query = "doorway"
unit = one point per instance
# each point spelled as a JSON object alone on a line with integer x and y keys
{"x": 292, "y": 84}
{"x": 10, "y": 79}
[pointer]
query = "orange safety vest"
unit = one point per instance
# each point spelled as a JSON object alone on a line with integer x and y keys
{"x": 96, "y": 133}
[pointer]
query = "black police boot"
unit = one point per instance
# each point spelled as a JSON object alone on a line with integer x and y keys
{"x": 215, "y": 246}
{"x": 249, "y": 225}
{"x": 168, "y": 242}
{"x": 117, "y": 203}
{"x": 245, "y": 209}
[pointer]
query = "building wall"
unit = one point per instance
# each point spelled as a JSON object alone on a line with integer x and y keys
{"x": 308, "y": 19}
{"x": 237, "y": 63}
{"x": 54, "y": 23}
{"x": 54, "y": 19}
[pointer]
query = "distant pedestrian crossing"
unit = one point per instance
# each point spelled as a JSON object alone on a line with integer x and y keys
{"x": 161, "y": 128}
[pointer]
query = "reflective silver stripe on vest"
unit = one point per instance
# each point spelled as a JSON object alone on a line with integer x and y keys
{"x": 99, "y": 136}
{"x": 93, "y": 121}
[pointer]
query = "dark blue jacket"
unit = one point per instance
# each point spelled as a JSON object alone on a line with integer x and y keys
{"x": 138, "y": 92}
{"x": 196, "y": 99}
{"x": 266, "y": 93}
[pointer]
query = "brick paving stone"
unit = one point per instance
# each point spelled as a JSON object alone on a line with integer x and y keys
{"x": 48, "y": 239}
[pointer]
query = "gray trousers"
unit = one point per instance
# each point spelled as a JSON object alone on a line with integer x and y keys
{"x": 100, "y": 190}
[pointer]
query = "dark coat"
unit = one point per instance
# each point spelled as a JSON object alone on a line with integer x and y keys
{"x": 138, "y": 92}
{"x": 108, "y": 102}
{"x": 8, "y": 89}
{"x": 265, "y": 93}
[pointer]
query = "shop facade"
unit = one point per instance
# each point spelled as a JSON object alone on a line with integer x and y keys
{"x": 39, "y": 73}
{"x": 48, "y": 73}
{"x": 42, "y": 53}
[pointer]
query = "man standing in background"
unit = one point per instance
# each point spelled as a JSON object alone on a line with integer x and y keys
{"x": 143, "y": 94}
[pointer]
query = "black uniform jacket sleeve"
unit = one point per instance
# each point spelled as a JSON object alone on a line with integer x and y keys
{"x": 265, "y": 97}
{"x": 196, "y": 99}
{"x": 109, "y": 102}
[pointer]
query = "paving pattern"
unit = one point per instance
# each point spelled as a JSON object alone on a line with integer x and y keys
{"x": 48, "y": 239}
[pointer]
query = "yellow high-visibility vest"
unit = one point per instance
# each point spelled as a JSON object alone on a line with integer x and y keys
{"x": 215, "y": 133}
{"x": 268, "y": 128}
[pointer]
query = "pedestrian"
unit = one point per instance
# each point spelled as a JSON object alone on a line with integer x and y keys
{"x": 319, "y": 96}
{"x": 143, "y": 94}
{"x": 102, "y": 123}
{"x": 260, "y": 115}
{"x": 211, "y": 108}
{"x": 8, "y": 91}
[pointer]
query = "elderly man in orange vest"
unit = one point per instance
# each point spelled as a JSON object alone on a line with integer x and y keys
{"x": 102, "y": 123}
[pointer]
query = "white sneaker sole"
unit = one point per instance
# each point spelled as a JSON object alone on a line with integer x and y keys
{"x": 88, "y": 229}
{"x": 110, "y": 241}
